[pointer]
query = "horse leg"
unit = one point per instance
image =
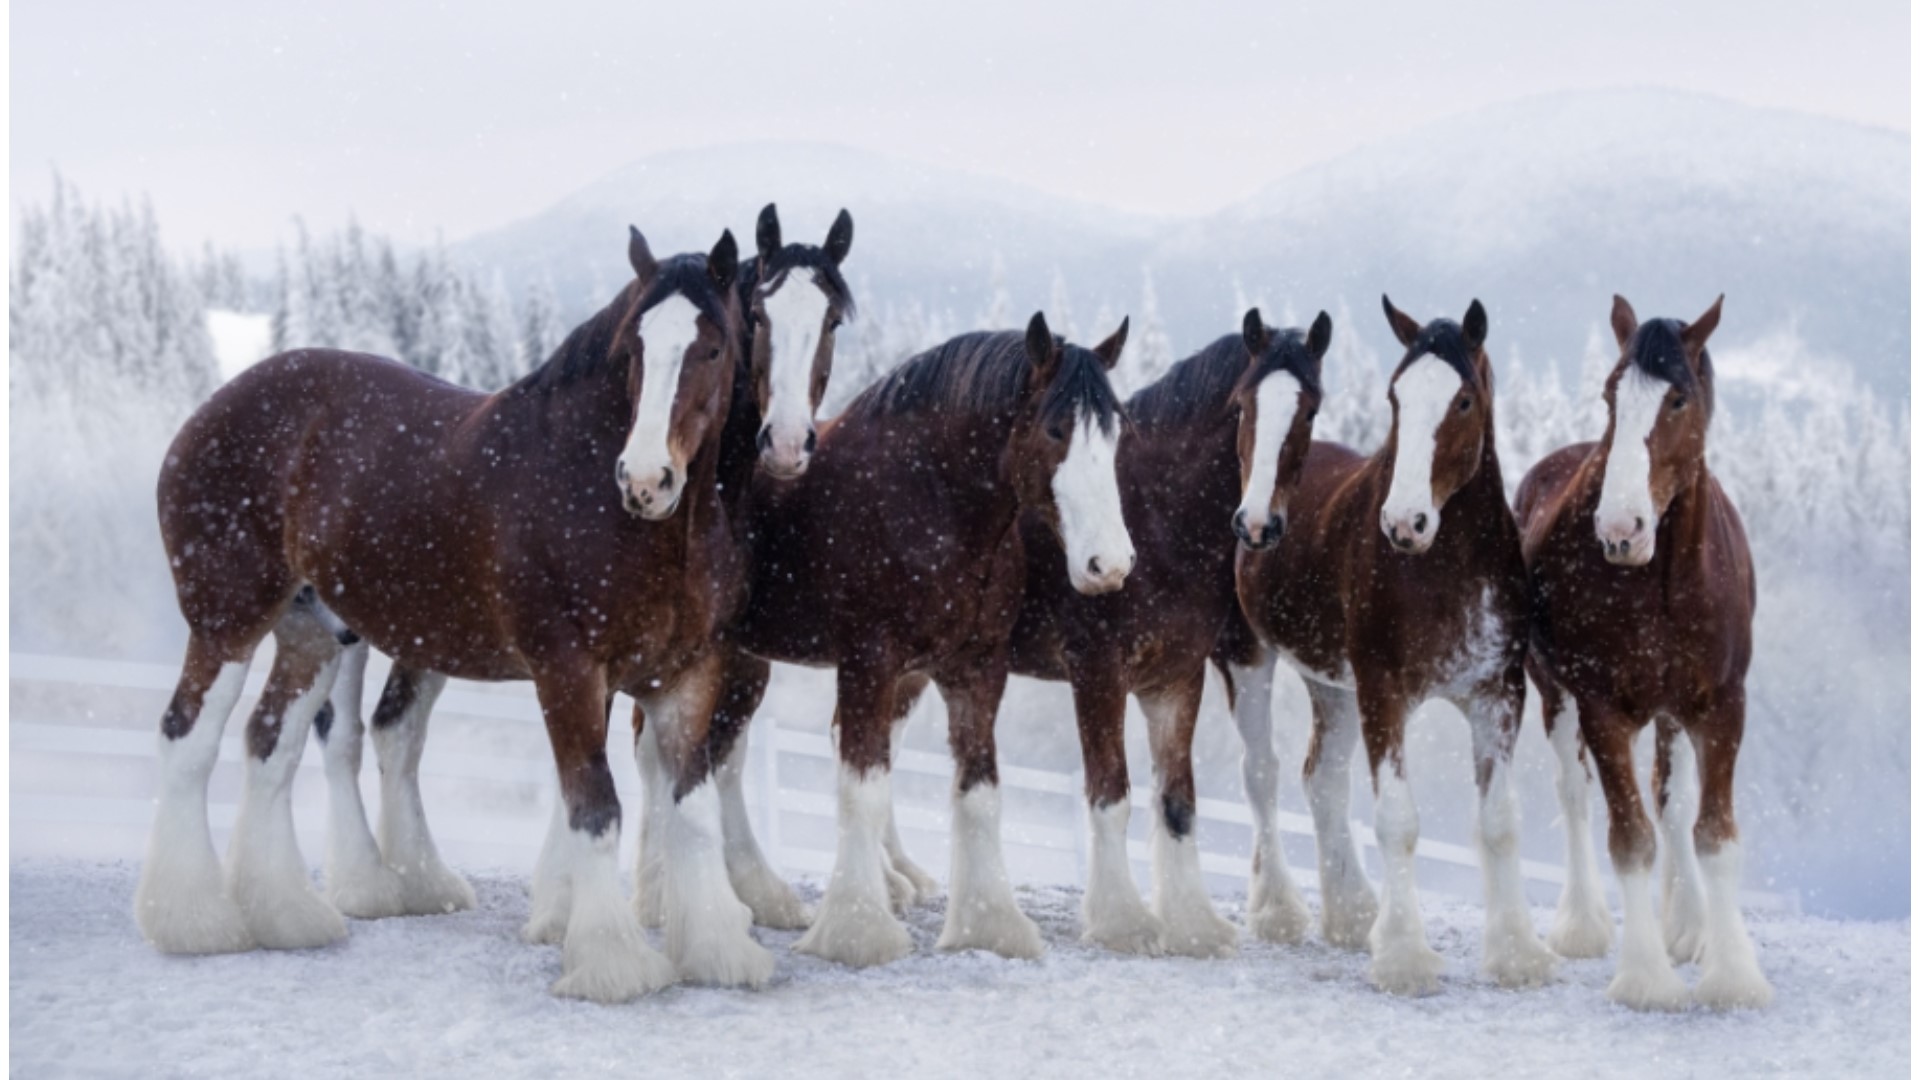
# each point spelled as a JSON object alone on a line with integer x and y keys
{"x": 1115, "y": 915}
{"x": 605, "y": 956}
{"x": 1682, "y": 901}
{"x": 854, "y": 923}
{"x": 981, "y": 913}
{"x": 399, "y": 736}
{"x": 768, "y": 895}
{"x": 1512, "y": 953}
{"x": 266, "y": 874}
{"x": 1180, "y": 897}
{"x": 1645, "y": 978}
{"x": 1582, "y": 926}
{"x": 1729, "y": 972}
{"x": 706, "y": 924}
{"x": 1348, "y": 908}
{"x": 1275, "y": 911}
{"x": 907, "y": 883}
{"x": 358, "y": 883}
{"x": 181, "y": 904}
{"x": 1403, "y": 962}
{"x": 550, "y": 893}
{"x": 649, "y": 864}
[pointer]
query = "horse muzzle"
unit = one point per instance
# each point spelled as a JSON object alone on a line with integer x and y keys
{"x": 652, "y": 494}
{"x": 1626, "y": 540}
{"x": 1410, "y": 532}
{"x": 786, "y": 458}
{"x": 1102, "y": 574}
{"x": 1258, "y": 538}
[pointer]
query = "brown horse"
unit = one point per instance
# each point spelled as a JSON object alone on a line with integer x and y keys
{"x": 1216, "y": 450}
{"x": 1643, "y": 596}
{"x": 793, "y": 298}
{"x": 477, "y": 536}
{"x": 936, "y": 463}
{"x": 1379, "y": 608}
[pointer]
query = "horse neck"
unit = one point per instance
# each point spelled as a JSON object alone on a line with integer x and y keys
{"x": 1196, "y": 472}
{"x": 1681, "y": 538}
{"x": 984, "y": 502}
{"x": 739, "y": 451}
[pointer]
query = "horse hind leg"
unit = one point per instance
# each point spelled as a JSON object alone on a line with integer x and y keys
{"x": 1193, "y": 927}
{"x": 1676, "y": 792}
{"x": 266, "y": 873}
{"x": 1275, "y": 910}
{"x": 1513, "y": 954}
{"x": 1730, "y": 976}
{"x": 406, "y": 846}
{"x": 907, "y": 883}
{"x": 181, "y": 904}
{"x": 1348, "y": 907}
{"x": 981, "y": 912}
{"x": 1582, "y": 926}
{"x": 1645, "y": 978}
{"x": 359, "y": 884}
{"x": 1112, "y": 910}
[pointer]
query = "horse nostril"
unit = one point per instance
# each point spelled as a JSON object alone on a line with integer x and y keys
{"x": 620, "y": 471}
{"x": 1093, "y": 566}
{"x": 666, "y": 480}
{"x": 813, "y": 440}
{"x": 1420, "y": 523}
{"x": 1639, "y": 525}
{"x": 765, "y": 440}
{"x": 1276, "y": 527}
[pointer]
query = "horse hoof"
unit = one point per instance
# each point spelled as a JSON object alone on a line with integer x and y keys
{"x": 203, "y": 924}
{"x": 1733, "y": 986}
{"x": 1283, "y": 920}
{"x": 854, "y": 934}
{"x": 292, "y": 918}
{"x": 545, "y": 928}
{"x": 1000, "y": 928}
{"x": 1347, "y": 922}
{"x": 1200, "y": 933}
{"x": 772, "y": 901}
{"x": 371, "y": 892}
{"x": 1137, "y": 931}
{"x": 610, "y": 976}
{"x": 432, "y": 889}
{"x": 1519, "y": 961}
{"x": 1409, "y": 969}
{"x": 1582, "y": 935}
{"x": 1652, "y": 990}
{"x": 741, "y": 962}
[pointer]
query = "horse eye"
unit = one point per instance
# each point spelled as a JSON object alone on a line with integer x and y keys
{"x": 1466, "y": 403}
{"x": 1679, "y": 402}
{"x": 715, "y": 354}
{"x": 1056, "y": 432}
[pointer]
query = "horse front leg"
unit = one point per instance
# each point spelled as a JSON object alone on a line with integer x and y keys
{"x": 604, "y": 956}
{"x": 907, "y": 883}
{"x": 1512, "y": 952}
{"x": 1112, "y": 910}
{"x": 1193, "y": 927}
{"x": 1403, "y": 962}
{"x": 1275, "y": 910}
{"x": 1676, "y": 796}
{"x": 768, "y": 895}
{"x": 406, "y": 845}
{"x": 706, "y": 924}
{"x": 981, "y": 913}
{"x": 1348, "y": 907}
{"x": 359, "y": 884}
{"x": 1582, "y": 926}
{"x": 1645, "y": 978}
{"x": 854, "y": 923}
{"x": 1730, "y": 975}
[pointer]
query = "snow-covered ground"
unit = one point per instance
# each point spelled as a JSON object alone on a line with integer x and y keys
{"x": 461, "y": 994}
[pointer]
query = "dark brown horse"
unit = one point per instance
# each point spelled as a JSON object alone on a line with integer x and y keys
{"x": 898, "y": 560}
{"x": 567, "y": 530}
{"x": 1643, "y": 596}
{"x": 1216, "y": 450}
{"x": 1380, "y": 604}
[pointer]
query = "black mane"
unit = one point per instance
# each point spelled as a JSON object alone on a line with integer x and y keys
{"x": 1444, "y": 338}
{"x": 587, "y": 352}
{"x": 1659, "y": 351}
{"x": 755, "y": 272}
{"x": 986, "y": 372}
{"x": 1196, "y": 389}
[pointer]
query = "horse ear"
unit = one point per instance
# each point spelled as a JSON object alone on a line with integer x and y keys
{"x": 766, "y": 234}
{"x": 1625, "y": 322}
{"x": 1699, "y": 330}
{"x": 1404, "y": 328}
{"x": 1319, "y": 336}
{"x": 1254, "y": 332}
{"x": 1040, "y": 347}
{"x": 840, "y": 237}
{"x": 1474, "y": 326}
{"x": 723, "y": 262}
{"x": 1109, "y": 350}
{"x": 639, "y": 254}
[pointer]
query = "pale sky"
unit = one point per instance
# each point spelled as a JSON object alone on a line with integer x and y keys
{"x": 459, "y": 117}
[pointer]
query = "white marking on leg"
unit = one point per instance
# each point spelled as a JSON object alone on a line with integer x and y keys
{"x": 768, "y": 895}
{"x": 907, "y": 883}
{"x": 359, "y": 885}
{"x": 649, "y": 864}
{"x": 406, "y": 844}
{"x": 854, "y": 923}
{"x": 266, "y": 873}
{"x": 796, "y": 317}
{"x": 1682, "y": 899}
{"x": 1275, "y": 910}
{"x": 654, "y": 470}
{"x": 1512, "y": 952}
{"x": 981, "y": 913}
{"x": 1582, "y": 926}
{"x": 1403, "y": 962}
{"x": 1730, "y": 975}
{"x": 1180, "y": 898}
{"x": 1348, "y": 906}
{"x": 1645, "y": 978}
{"x": 181, "y": 903}
{"x": 1275, "y": 402}
{"x": 1424, "y": 391}
{"x": 1625, "y": 514}
{"x": 606, "y": 957}
{"x": 550, "y": 892}
{"x": 1115, "y": 915}
{"x": 1087, "y": 491}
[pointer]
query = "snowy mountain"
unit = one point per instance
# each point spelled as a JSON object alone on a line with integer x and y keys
{"x": 1542, "y": 208}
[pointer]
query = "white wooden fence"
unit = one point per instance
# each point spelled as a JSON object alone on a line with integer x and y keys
{"x": 83, "y": 733}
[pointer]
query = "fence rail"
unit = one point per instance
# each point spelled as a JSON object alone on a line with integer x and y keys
{"x": 68, "y": 799}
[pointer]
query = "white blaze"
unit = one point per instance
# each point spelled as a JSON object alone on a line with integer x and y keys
{"x": 1425, "y": 392}
{"x": 1277, "y": 399}
{"x": 1087, "y": 492}
{"x": 1626, "y": 491}
{"x": 796, "y": 319}
{"x": 666, "y": 330}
